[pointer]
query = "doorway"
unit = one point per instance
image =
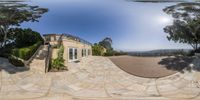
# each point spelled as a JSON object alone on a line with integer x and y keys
{"x": 73, "y": 56}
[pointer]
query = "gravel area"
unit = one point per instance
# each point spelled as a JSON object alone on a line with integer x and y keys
{"x": 147, "y": 67}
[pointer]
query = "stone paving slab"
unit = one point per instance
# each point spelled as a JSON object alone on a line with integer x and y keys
{"x": 94, "y": 78}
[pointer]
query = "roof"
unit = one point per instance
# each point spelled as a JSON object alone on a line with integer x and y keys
{"x": 76, "y": 38}
{"x": 53, "y": 34}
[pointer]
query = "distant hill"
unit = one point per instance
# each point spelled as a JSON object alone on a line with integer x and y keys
{"x": 160, "y": 52}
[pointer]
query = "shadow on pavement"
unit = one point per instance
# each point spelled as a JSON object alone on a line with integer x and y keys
{"x": 179, "y": 63}
{"x": 6, "y": 66}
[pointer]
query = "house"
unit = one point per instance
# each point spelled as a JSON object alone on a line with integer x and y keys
{"x": 75, "y": 48}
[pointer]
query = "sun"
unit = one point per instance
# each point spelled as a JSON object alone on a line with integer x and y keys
{"x": 164, "y": 20}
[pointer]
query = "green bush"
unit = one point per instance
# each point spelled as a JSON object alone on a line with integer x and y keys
{"x": 16, "y": 61}
{"x": 116, "y": 53}
{"x": 26, "y": 52}
{"x": 55, "y": 46}
{"x": 109, "y": 53}
{"x": 192, "y": 52}
{"x": 58, "y": 63}
{"x": 61, "y": 52}
{"x": 97, "y": 50}
{"x": 181, "y": 52}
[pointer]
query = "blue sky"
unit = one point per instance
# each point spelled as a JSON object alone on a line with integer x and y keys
{"x": 132, "y": 26}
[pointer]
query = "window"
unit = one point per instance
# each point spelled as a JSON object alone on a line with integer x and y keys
{"x": 71, "y": 53}
{"x": 82, "y": 53}
{"x": 88, "y": 51}
{"x": 75, "y": 53}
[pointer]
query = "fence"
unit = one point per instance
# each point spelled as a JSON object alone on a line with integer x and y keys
{"x": 27, "y": 62}
{"x": 48, "y": 58}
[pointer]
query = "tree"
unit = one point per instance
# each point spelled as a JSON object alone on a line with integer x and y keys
{"x": 106, "y": 43}
{"x": 97, "y": 50}
{"x": 184, "y": 11}
{"x": 156, "y": 1}
{"x": 186, "y": 25}
{"x": 25, "y": 37}
{"x": 12, "y": 14}
{"x": 183, "y": 32}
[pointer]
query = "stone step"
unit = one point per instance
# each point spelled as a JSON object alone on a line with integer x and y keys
{"x": 38, "y": 63}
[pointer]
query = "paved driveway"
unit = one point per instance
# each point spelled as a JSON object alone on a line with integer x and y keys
{"x": 93, "y": 78}
{"x": 147, "y": 67}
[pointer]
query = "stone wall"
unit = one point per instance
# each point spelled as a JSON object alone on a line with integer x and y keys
{"x": 74, "y": 44}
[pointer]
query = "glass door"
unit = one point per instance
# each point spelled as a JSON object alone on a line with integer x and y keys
{"x": 73, "y": 56}
{"x": 70, "y": 54}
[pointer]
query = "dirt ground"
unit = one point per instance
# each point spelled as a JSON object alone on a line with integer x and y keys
{"x": 147, "y": 67}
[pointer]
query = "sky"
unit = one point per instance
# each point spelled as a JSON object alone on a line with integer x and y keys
{"x": 133, "y": 26}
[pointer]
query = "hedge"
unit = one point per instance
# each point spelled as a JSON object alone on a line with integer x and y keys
{"x": 26, "y": 52}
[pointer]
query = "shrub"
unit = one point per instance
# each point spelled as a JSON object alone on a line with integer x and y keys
{"x": 181, "y": 52}
{"x": 109, "y": 53}
{"x": 192, "y": 52}
{"x": 15, "y": 61}
{"x": 26, "y": 52}
{"x": 97, "y": 50}
{"x": 116, "y": 53}
{"x": 55, "y": 46}
{"x": 58, "y": 63}
{"x": 60, "y": 52}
